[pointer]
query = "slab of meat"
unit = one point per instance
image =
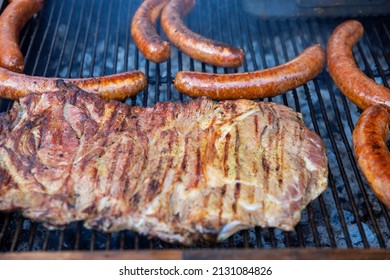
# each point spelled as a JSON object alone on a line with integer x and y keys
{"x": 180, "y": 172}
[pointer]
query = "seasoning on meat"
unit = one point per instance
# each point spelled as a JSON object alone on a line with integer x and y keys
{"x": 180, "y": 172}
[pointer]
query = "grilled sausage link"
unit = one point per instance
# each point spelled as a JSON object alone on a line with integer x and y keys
{"x": 372, "y": 154}
{"x": 12, "y": 20}
{"x": 118, "y": 86}
{"x": 144, "y": 33}
{"x": 359, "y": 88}
{"x": 205, "y": 50}
{"x": 258, "y": 84}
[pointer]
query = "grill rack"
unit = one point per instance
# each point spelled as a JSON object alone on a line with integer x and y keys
{"x": 91, "y": 38}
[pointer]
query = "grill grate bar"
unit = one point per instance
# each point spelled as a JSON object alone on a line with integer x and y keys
{"x": 117, "y": 50}
{"x": 325, "y": 214}
{"x": 78, "y": 31}
{"x": 387, "y": 32}
{"x": 108, "y": 241}
{"x": 16, "y": 234}
{"x": 77, "y": 236}
{"x": 51, "y": 49}
{"x": 85, "y": 42}
{"x": 60, "y": 240}
{"x": 92, "y": 241}
{"x": 382, "y": 47}
{"x": 94, "y": 44}
{"x": 65, "y": 41}
{"x": 33, "y": 38}
{"x": 301, "y": 241}
{"x": 32, "y": 236}
{"x": 352, "y": 159}
{"x": 312, "y": 225}
{"x": 46, "y": 240}
{"x": 376, "y": 61}
{"x": 26, "y": 33}
{"x": 122, "y": 241}
{"x": 336, "y": 150}
{"x": 250, "y": 45}
{"x": 4, "y": 227}
{"x": 104, "y": 66}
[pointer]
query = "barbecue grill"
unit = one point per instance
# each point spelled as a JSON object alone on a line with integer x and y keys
{"x": 73, "y": 38}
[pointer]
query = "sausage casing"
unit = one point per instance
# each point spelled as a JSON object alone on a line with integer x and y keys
{"x": 118, "y": 86}
{"x": 12, "y": 20}
{"x": 200, "y": 48}
{"x": 371, "y": 151}
{"x": 257, "y": 84}
{"x": 359, "y": 88}
{"x": 144, "y": 34}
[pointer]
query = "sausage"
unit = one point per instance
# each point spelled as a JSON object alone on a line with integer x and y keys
{"x": 145, "y": 37}
{"x": 192, "y": 44}
{"x": 118, "y": 86}
{"x": 12, "y": 20}
{"x": 359, "y": 88}
{"x": 372, "y": 154}
{"x": 257, "y": 84}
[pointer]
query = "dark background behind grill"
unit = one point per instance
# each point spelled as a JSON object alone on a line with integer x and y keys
{"x": 74, "y": 38}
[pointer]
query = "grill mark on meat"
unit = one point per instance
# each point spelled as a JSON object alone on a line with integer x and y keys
{"x": 263, "y": 132}
{"x": 280, "y": 167}
{"x": 153, "y": 186}
{"x": 154, "y": 192}
{"x": 264, "y": 142}
{"x": 126, "y": 167}
{"x": 237, "y": 188}
{"x": 265, "y": 165}
{"x": 113, "y": 167}
{"x": 299, "y": 133}
{"x": 183, "y": 165}
{"x": 226, "y": 155}
{"x": 198, "y": 167}
{"x": 168, "y": 166}
{"x": 279, "y": 149}
{"x": 256, "y": 121}
{"x": 220, "y": 206}
{"x": 225, "y": 168}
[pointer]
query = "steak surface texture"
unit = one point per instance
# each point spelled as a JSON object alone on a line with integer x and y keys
{"x": 192, "y": 172}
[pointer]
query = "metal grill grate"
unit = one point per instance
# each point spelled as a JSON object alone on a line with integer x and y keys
{"x": 90, "y": 38}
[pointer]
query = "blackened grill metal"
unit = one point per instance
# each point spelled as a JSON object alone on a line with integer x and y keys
{"x": 91, "y": 38}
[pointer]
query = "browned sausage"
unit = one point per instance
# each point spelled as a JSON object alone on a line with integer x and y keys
{"x": 145, "y": 37}
{"x": 194, "y": 45}
{"x": 372, "y": 154}
{"x": 118, "y": 86}
{"x": 12, "y": 20}
{"x": 258, "y": 84}
{"x": 359, "y": 88}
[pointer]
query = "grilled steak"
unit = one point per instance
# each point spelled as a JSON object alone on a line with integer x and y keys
{"x": 181, "y": 172}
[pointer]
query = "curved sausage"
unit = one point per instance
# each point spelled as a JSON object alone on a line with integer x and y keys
{"x": 194, "y": 45}
{"x": 12, "y": 20}
{"x": 144, "y": 33}
{"x": 258, "y": 84}
{"x": 372, "y": 154}
{"x": 359, "y": 88}
{"x": 118, "y": 86}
